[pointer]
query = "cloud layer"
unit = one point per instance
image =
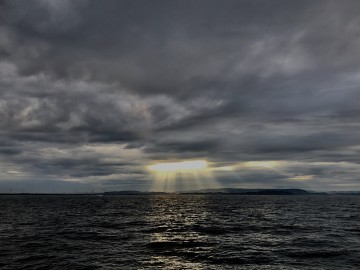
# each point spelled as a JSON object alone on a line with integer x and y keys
{"x": 93, "y": 91}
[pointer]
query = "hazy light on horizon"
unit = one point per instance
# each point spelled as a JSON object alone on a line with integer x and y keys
{"x": 182, "y": 175}
{"x": 180, "y": 166}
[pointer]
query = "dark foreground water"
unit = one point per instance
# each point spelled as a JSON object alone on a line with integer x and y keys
{"x": 179, "y": 232}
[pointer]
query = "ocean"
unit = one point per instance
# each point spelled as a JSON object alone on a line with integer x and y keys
{"x": 179, "y": 231}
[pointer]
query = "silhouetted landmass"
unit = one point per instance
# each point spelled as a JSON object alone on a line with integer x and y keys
{"x": 357, "y": 193}
{"x": 269, "y": 192}
{"x": 221, "y": 191}
{"x": 131, "y": 192}
{"x": 244, "y": 191}
{"x": 127, "y": 192}
{"x": 241, "y": 191}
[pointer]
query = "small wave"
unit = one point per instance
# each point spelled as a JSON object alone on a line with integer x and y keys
{"x": 317, "y": 253}
{"x": 211, "y": 230}
{"x": 34, "y": 258}
{"x": 136, "y": 223}
{"x": 155, "y": 230}
{"x": 240, "y": 260}
{"x": 161, "y": 245}
{"x": 110, "y": 226}
{"x": 34, "y": 244}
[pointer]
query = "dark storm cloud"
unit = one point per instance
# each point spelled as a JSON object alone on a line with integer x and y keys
{"x": 45, "y": 186}
{"x": 183, "y": 146}
{"x": 229, "y": 81}
{"x": 9, "y": 151}
{"x": 80, "y": 167}
{"x": 266, "y": 179}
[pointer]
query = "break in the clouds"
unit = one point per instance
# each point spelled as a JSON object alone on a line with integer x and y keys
{"x": 91, "y": 92}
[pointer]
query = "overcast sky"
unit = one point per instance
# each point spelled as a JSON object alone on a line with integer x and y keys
{"x": 91, "y": 92}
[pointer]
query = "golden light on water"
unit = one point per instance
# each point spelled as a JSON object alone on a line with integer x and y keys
{"x": 182, "y": 175}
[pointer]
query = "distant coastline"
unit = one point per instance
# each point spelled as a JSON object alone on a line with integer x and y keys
{"x": 224, "y": 191}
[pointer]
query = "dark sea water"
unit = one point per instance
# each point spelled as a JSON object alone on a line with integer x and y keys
{"x": 180, "y": 232}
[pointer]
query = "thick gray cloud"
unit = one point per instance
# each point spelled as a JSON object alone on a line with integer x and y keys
{"x": 93, "y": 91}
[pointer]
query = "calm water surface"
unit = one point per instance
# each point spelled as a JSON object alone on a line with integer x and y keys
{"x": 180, "y": 232}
